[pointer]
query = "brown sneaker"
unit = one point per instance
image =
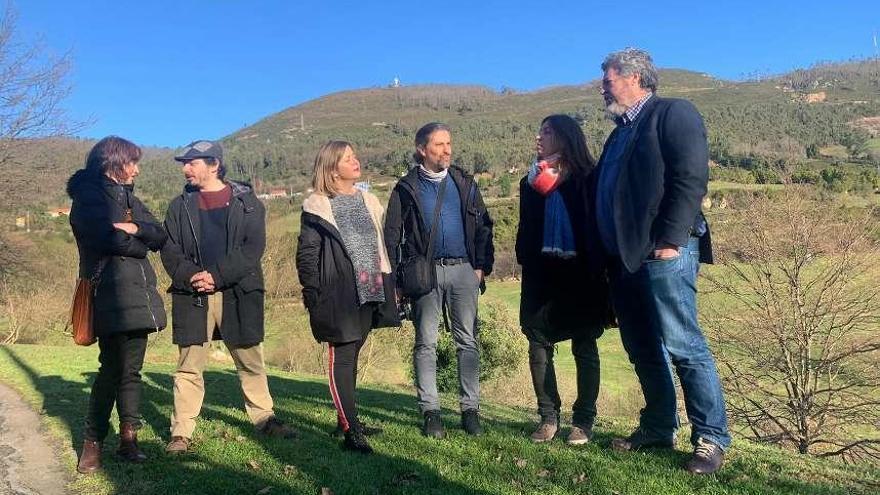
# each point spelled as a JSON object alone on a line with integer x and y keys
{"x": 274, "y": 427}
{"x": 90, "y": 457}
{"x": 578, "y": 435}
{"x": 707, "y": 458}
{"x": 177, "y": 445}
{"x": 545, "y": 432}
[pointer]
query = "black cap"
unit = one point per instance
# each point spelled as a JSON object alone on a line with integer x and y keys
{"x": 200, "y": 149}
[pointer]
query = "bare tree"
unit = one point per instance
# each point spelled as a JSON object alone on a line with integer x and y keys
{"x": 795, "y": 322}
{"x": 33, "y": 85}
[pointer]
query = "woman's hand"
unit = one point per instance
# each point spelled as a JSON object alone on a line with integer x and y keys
{"x": 127, "y": 227}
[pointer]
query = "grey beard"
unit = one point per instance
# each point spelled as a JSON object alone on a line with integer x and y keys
{"x": 614, "y": 110}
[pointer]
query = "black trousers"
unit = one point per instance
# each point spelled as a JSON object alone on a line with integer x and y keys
{"x": 343, "y": 365}
{"x": 118, "y": 382}
{"x": 586, "y": 358}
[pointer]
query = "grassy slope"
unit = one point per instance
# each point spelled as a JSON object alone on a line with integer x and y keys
{"x": 229, "y": 457}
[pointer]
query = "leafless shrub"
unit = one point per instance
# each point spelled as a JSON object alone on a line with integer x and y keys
{"x": 795, "y": 325}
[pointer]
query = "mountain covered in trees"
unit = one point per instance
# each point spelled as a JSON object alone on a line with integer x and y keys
{"x": 774, "y": 129}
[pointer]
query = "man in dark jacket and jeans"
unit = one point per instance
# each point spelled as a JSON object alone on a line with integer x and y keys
{"x": 216, "y": 237}
{"x": 461, "y": 253}
{"x": 651, "y": 180}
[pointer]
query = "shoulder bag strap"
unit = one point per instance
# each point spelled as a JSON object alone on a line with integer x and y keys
{"x": 437, "y": 207}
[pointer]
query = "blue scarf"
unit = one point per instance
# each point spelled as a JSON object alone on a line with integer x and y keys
{"x": 558, "y": 234}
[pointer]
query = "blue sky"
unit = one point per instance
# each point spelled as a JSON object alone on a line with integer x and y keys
{"x": 166, "y": 72}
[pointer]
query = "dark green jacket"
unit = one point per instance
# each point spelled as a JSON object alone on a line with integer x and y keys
{"x": 239, "y": 275}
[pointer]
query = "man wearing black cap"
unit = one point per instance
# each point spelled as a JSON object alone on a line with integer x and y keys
{"x": 216, "y": 237}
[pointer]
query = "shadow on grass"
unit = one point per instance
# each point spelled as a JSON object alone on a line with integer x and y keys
{"x": 230, "y": 457}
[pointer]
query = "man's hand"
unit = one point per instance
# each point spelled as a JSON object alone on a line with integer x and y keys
{"x": 202, "y": 282}
{"x": 127, "y": 227}
{"x": 666, "y": 251}
{"x": 479, "y": 274}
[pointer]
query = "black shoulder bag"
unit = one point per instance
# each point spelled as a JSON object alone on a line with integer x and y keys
{"x": 416, "y": 275}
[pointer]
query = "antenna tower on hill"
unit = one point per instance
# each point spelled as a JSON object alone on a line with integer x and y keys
{"x": 876, "y": 50}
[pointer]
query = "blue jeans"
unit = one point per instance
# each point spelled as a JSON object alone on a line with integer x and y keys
{"x": 657, "y": 311}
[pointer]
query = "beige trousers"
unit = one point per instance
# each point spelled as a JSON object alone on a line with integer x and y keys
{"x": 189, "y": 383}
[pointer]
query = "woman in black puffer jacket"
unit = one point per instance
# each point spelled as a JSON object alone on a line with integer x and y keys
{"x": 114, "y": 231}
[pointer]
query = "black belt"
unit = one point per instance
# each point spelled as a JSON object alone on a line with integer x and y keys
{"x": 450, "y": 261}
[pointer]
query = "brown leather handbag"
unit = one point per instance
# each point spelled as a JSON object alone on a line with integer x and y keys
{"x": 82, "y": 312}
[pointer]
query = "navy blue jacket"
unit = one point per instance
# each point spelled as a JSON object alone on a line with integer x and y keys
{"x": 664, "y": 174}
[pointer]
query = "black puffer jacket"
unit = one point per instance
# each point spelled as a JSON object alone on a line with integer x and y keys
{"x": 327, "y": 275}
{"x": 406, "y": 235}
{"x": 238, "y": 275}
{"x": 560, "y": 297}
{"x": 125, "y": 296}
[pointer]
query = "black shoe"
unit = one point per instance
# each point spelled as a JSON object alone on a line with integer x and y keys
{"x": 366, "y": 430}
{"x": 433, "y": 426}
{"x": 274, "y": 427}
{"x": 470, "y": 422}
{"x": 356, "y": 441}
{"x": 708, "y": 458}
{"x": 641, "y": 440}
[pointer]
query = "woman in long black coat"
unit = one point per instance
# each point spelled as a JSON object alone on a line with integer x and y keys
{"x": 345, "y": 273}
{"x": 114, "y": 231}
{"x": 564, "y": 292}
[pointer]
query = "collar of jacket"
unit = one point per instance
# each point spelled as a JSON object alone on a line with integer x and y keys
{"x": 319, "y": 205}
{"x": 241, "y": 191}
{"x": 463, "y": 180}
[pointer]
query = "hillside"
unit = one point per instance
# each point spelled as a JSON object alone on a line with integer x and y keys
{"x": 771, "y": 128}
{"x": 781, "y": 118}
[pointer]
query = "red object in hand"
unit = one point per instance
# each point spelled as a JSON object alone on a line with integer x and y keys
{"x": 547, "y": 179}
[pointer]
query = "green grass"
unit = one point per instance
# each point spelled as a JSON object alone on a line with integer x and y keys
{"x": 229, "y": 457}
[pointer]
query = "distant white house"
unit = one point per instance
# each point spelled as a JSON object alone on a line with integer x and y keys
{"x": 275, "y": 193}
{"x": 57, "y": 212}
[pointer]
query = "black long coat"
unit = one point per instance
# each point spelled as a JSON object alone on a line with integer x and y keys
{"x": 560, "y": 297}
{"x": 239, "y": 275}
{"x": 327, "y": 275}
{"x": 125, "y": 297}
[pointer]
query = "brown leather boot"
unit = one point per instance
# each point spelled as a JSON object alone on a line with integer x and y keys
{"x": 90, "y": 457}
{"x": 128, "y": 444}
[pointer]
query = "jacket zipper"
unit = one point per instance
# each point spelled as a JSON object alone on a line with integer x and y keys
{"x": 147, "y": 292}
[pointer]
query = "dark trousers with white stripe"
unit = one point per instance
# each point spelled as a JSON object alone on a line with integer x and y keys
{"x": 343, "y": 364}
